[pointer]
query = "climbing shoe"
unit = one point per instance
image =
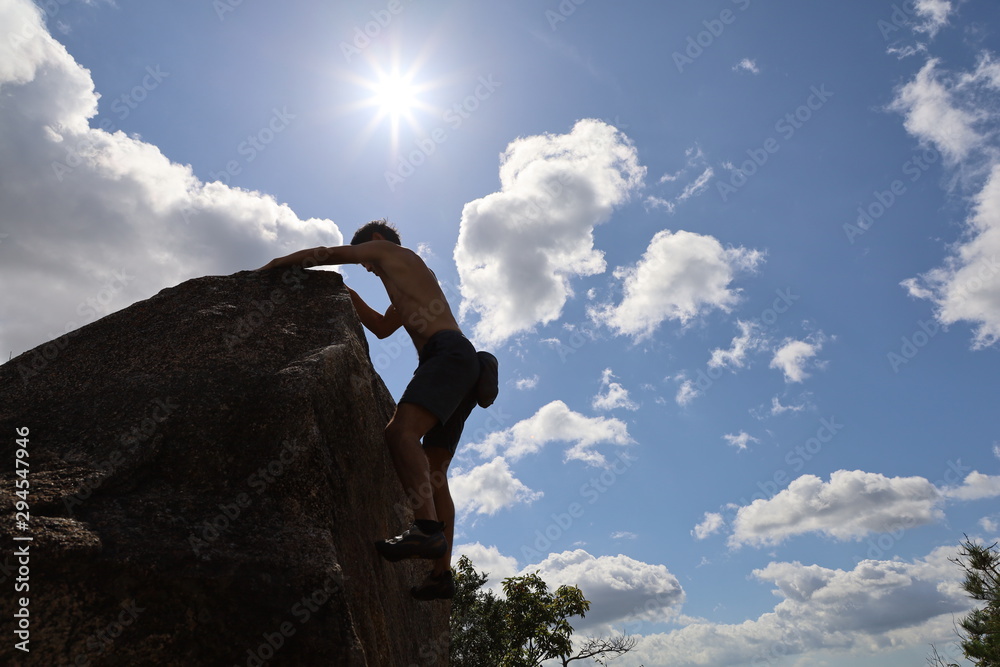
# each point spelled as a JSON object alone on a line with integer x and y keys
{"x": 414, "y": 543}
{"x": 440, "y": 587}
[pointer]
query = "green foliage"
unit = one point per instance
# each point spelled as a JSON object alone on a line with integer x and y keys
{"x": 477, "y": 620}
{"x": 981, "y": 643}
{"x": 527, "y": 626}
{"x": 980, "y": 640}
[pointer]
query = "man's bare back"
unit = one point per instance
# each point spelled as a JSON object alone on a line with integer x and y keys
{"x": 414, "y": 292}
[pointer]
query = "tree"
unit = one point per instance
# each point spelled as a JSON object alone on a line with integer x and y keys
{"x": 522, "y": 629}
{"x": 981, "y": 644}
{"x": 981, "y": 640}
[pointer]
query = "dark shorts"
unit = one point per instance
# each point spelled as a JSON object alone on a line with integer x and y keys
{"x": 445, "y": 384}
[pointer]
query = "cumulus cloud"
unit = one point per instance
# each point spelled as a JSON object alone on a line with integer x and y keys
{"x": 681, "y": 276}
{"x": 874, "y": 605}
{"x": 95, "y": 220}
{"x": 555, "y": 422}
{"x": 852, "y": 505}
{"x": 488, "y": 560}
{"x": 615, "y": 396}
{"x": 975, "y": 487}
{"x": 794, "y": 355}
{"x": 967, "y": 287}
{"x": 747, "y": 65}
{"x": 619, "y": 588}
{"x": 488, "y": 488}
{"x": 519, "y": 249}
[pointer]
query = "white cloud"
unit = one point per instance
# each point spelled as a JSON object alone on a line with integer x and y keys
{"x": 697, "y": 186}
{"x": 747, "y": 65}
{"x": 740, "y": 440}
{"x": 686, "y": 393}
{"x": 933, "y": 114}
{"x": 527, "y": 383}
{"x": 749, "y": 339}
{"x": 488, "y": 560}
{"x": 850, "y": 506}
{"x": 874, "y": 606}
{"x": 615, "y": 396}
{"x": 711, "y": 524}
{"x": 618, "y": 587}
{"x": 792, "y": 357}
{"x": 115, "y": 204}
{"x": 777, "y": 408}
{"x": 623, "y": 535}
{"x": 967, "y": 287}
{"x": 555, "y": 422}
{"x": 935, "y": 14}
{"x": 488, "y": 488}
{"x": 518, "y": 249}
{"x": 681, "y": 276}
{"x": 695, "y": 159}
{"x": 975, "y": 487}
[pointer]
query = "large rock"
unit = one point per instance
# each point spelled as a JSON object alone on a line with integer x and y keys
{"x": 207, "y": 475}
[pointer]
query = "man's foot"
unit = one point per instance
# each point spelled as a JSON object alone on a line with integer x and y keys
{"x": 437, "y": 587}
{"x": 414, "y": 543}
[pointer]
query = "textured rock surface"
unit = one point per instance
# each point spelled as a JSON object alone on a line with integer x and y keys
{"x": 207, "y": 477}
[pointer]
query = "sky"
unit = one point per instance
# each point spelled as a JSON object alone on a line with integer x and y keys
{"x": 738, "y": 260}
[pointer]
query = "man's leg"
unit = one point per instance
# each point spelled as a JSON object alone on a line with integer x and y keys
{"x": 402, "y": 436}
{"x": 438, "y": 459}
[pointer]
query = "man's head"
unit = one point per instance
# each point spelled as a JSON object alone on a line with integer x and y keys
{"x": 367, "y": 232}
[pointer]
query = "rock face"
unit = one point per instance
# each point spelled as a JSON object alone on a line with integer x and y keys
{"x": 207, "y": 475}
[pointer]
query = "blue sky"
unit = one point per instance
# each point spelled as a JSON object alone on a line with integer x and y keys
{"x": 738, "y": 261}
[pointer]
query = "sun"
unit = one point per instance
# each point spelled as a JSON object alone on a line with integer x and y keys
{"x": 395, "y": 96}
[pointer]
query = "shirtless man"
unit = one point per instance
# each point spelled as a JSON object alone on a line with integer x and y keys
{"x": 435, "y": 404}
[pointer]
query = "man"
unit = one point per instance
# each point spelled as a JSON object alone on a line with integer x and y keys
{"x": 435, "y": 404}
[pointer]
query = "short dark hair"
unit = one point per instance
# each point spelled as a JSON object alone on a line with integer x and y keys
{"x": 365, "y": 233}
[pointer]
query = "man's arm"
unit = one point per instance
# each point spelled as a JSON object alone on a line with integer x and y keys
{"x": 372, "y": 251}
{"x": 380, "y": 325}
{"x": 345, "y": 254}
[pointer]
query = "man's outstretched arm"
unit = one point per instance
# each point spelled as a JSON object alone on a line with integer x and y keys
{"x": 344, "y": 254}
